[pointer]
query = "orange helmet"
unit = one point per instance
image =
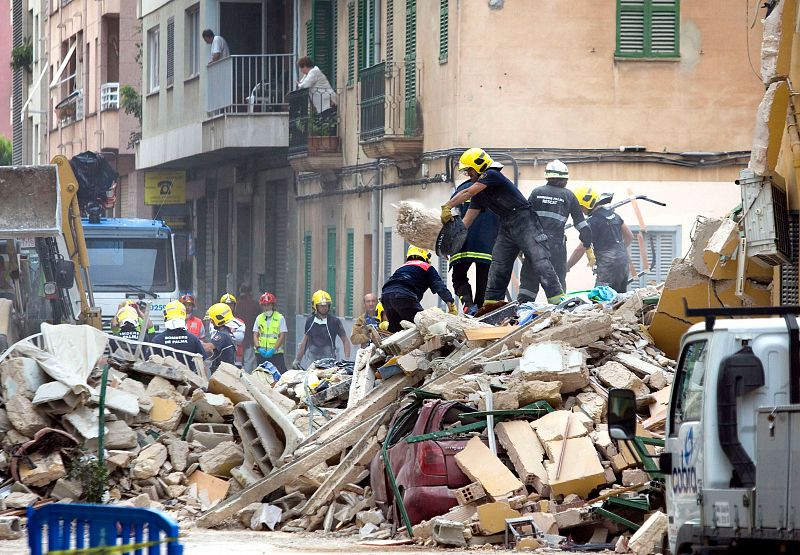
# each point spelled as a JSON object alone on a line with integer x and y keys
{"x": 267, "y": 298}
{"x": 188, "y": 298}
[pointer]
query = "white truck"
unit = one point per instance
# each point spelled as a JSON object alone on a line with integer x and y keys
{"x": 732, "y": 452}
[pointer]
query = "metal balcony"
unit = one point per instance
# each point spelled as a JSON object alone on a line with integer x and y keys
{"x": 314, "y": 131}
{"x": 249, "y": 84}
{"x": 109, "y": 96}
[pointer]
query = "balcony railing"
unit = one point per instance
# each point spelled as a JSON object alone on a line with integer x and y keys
{"x": 313, "y": 121}
{"x": 70, "y": 109}
{"x": 109, "y": 96}
{"x": 389, "y": 102}
{"x": 249, "y": 84}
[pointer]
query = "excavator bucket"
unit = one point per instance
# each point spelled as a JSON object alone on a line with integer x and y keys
{"x": 30, "y": 203}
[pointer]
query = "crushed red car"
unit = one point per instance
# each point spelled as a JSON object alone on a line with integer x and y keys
{"x": 426, "y": 471}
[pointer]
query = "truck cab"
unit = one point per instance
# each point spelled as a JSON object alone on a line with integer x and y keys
{"x": 731, "y": 460}
{"x": 131, "y": 258}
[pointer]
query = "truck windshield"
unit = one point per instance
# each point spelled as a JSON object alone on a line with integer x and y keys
{"x": 141, "y": 264}
{"x": 689, "y": 381}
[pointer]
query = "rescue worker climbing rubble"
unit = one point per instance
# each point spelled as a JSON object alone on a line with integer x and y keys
{"x": 520, "y": 230}
{"x": 554, "y": 203}
{"x": 269, "y": 333}
{"x": 611, "y": 238}
{"x": 403, "y": 291}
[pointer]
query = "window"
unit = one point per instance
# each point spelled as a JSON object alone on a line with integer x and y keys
{"x": 152, "y": 60}
{"x": 350, "y": 277}
{"x": 689, "y": 382}
{"x": 387, "y": 253}
{"x": 170, "y": 51}
{"x": 132, "y": 263}
{"x": 648, "y": 28}
{"x": 351, "y": 43}
{"x": 411, "y": 69}
{"x": 368, "y": 33}
{"x": 307, "y": 269}
{"x": 662, "y": 246}
{"x": 331, "y": 281}
{"x": 389, "y": 31}
{"x": 444, "y": 29}
{"x": 192, "y": 41}
{"x": 320, "y": 40}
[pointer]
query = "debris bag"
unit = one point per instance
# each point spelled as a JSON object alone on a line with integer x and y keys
{"x": 95, "y": 177}
{"x": 417, "y": 224}
{"x": 451, "y": 238}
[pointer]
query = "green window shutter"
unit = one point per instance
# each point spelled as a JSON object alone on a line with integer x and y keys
{"x": 307, "y": 270}
{"x": 322, "y": 32}
{"x": 310, "y": 39}
{"x": 444, "y": 29}
{"x": 390, "y": 31}
{"x": 362, "y": 40}
{"x": 335, "y": 44}
{"x": 648, "y": 28}
{"x": 410, "y": 88}
{"x": 351, "y": 42}
{"x": 350, "y": 278}
{"x": 331, "y": 281}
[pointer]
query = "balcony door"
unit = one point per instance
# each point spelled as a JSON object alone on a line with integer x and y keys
{"x": 241, "y": 24}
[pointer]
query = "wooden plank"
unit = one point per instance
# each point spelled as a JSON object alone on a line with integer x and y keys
{"x": 495, "y": 332}
{"x": 284, "y": 475}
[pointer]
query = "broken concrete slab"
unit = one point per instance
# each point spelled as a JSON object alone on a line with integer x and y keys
{"x": 636, "y": 365}
{"x": 504, "y": 366}
{"x": 227, "y": 381}
{"x": 67, "y": 489}
{"x": 530, "y": 390}
{"x": 492, "y": 516}
{"x": 592, "y": 405}
{"x": 24, "y": 416}
{"x": 20, "y": 500}
{"x": 178, "y": 454}
{"x": 210, "y": 490}
{"x": 42, "y": 470}
{"x": 149, "y": 461}
{"x": 551, "y": 426}
{"x": 448, "y": 532}
{"x": 84, "y": 422}
{"x": 545, "y": 522}
{"x": 576, "y": 330}
{"x": 554, "y": 361}
{"x": 292, "y": 436}
{"x": 649, "y": 535}
{"x": 119, "y": 435}
{"x": 615, "y": 374}
{"x": 55, "y": 398}
{"x": 21, "y": 376}
{"x": 501, "y": 400}
{"x": 208, "y": 407}
{"x": 481, "y": 465}
{"x": 525, "y": 451}
{"x": 221, "y": 459}
{"x": 119, "y": 401}
{"x": 581, "y": 471}
{"x": 166, "y": 413}
{"x": 210, "y": 435}
{"x": 259, "y": 438}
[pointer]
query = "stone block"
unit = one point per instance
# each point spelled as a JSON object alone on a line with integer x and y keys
{"x": 166, "y": 413}
{"x": 210, "y": 435}
{"x": 259, "y": 437}
{"x": 55, "y": 398}
{"x": 576, "y": 330}
{"x": 119, "y": 401}
{"x": 501, "y": 400}
{"x": 554, "y": 361}
{"x": 25, "y": 418}
{"x": 634, "y": 476}
{"x": 593, "y": 405}
{"x": 614, "y": 374}
{"x": 119, "y": 459}
{"x": 581, "y": 471}
{"x": 45, "y": 469}
{"x": 659, "y": 379}
{"x": 645, "y": 540}
{"x": 21, "y": 376}
{"x": 569, "y": 518}
{"x": 546, "y": 522}
{"x": 20, "y": 500}
{"x": 161, "y": 387}
{"x": 492, "y": 516}
{"x": 226, "y": 380}
{"x": 525, "y": 451}
{"x": 551, "y": 426}
{"x": 448, "y": 532}
{"x": 221, "y": 459}
{"x": 501, "y": 366}
{"x": 481, "y": 465}
{"x": 10, "y": 528}
{"x": 529, "y": 391}
{"x": 83, "y": 422}
{"x": 208, "y": 407}
{"x": 149, "y": 461}
{"x": 178, "y": 454}
{"x": 67, "y": 489}
{"x": 119, "y": 435}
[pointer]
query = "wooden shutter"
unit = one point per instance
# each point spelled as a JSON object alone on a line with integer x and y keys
{"x": 444, "y": 29}
{"x": 350, "y": 275}
{"x": 307, "y": 270}
{"x": 362, "y": 40}
{"x": 332, "y": 248}
{"x": 662, "y": 248}
{"x": 411, "y": 69}
{"x": 664, "y": 24}
{"x": 310, "y": 39}
{"x": 170, "y": 51}
{"x": 351, "y": 42}
{"x": 387, "y": 253}
{"x": 389, "y": 31}
{"x": 322, "y": 37}
{"x": 648, "y": 28}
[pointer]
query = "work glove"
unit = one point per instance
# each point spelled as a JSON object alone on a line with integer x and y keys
{"x": 592, "y": 261}
{"x": 383, "y": 326}
{"x": 451, "y": 309}
{"x": 447, "y": 213}
{"x": 268, "y": 353}
{"x": 296, "y": 365}
{"x": 262, "y": 352}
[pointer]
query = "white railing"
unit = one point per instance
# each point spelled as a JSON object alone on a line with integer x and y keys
{"x": 72, "y": 110}
{"x": 109, "y": 96}
{"x": 249, "y": 84}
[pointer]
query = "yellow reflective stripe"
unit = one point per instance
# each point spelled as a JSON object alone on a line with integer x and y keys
{"x": 269, "y": 331}
{"x": 471, "y": 254}
{"x": 109, "y": 549}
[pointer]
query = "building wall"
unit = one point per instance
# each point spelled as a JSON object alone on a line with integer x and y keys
{"x": 5, "y": 70}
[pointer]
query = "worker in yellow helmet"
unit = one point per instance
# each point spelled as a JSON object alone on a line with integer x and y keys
{"x": 220, "y": 315}
{"x": 610, "y": 236}
{"x": 128, "y": 322}
{"x": 403, "y": 291}
{"x": 320, "y": 333}
{"x": 176, "y": 335}
{"x": 520, "y": 230}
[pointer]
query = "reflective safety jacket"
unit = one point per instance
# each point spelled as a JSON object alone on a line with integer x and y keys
{"x": 269, "y": 330}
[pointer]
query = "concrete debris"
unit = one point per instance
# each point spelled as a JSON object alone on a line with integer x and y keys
{"x": 24, "y": 416}
{"x": 417, "y": 224}
{"x": 646, "y": 538}
{"x": 554, "y": 361}
{"x": 40, "y": 470}
{"x": 221, "y": 459}
{"x": 481, "y": 465}
{"x": 149, "y": 461}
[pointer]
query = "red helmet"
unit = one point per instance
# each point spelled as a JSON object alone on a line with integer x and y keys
{"x": 188, "y": 298}
{"x": 267, "y": 298}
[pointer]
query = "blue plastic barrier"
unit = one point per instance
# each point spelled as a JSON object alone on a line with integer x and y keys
{"x": 69, "y": 526}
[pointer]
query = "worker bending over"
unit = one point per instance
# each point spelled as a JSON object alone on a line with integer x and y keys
{"x": 520, "y": 230}
{"x": 611, "y": 238}
{"x": 554, "y": 203}
{"x": 402, "y": 293}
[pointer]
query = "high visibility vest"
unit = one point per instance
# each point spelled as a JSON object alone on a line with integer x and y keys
{"x": 269, "y": 330}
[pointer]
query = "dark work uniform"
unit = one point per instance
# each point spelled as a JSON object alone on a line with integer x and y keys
{"x": 224, "y": 348}
{"x": 477, "y": 249}
{"x": 554, "y": 205}
{"x": 126, "y": 331}
{"x": 322, "y": 337}
{"x": 183, "y": 341}
{"x": 520, "y": 230}
{"x": 609, "y": 249}
{"x": 403, "y": 291}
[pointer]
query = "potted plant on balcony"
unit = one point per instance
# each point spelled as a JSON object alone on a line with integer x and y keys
{"x": 22, "y": 56}
{"x": 323, "y": 134}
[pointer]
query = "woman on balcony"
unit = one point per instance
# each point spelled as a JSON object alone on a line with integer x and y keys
{"x": 323, "y": 97}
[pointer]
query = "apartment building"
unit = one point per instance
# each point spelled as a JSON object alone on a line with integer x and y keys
{"x": 68, "y": 100}
{"x": 6, "y": 78}
{"x": 221, "y": 130}
{"x": 652, "y": 97}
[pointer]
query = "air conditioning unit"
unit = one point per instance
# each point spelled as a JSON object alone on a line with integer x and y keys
{"x": 766, "y": 217}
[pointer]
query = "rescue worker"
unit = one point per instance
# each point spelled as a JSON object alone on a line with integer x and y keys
{"x": 320, "y": 332}
{"x": 611, "y": 238}
{"x": 520, "y": 230}
{"x": 139, "y": 307}
{"x": 477, "y": 250}
{"x": 236, "y": 325}
{"x": 193, "y": 324}
{"x": 128, "y": 322}
{"x": 175, "y": 335}
{"x": 554, "y": 203}
{"x": 361, "y": 334}
{"x": 221, "y": 316}
{"x": 403, "y": 291}
{"x": 269, "y": 333}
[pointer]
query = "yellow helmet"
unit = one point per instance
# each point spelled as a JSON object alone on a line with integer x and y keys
{"x": 219, "y": 314}
{"x": 174, "y": 309}
{"x": 320, "y": 297}
{"x": 379, "y": 311}
{"x": 475, "y": 158}
{"x": 126, "y": 315}
{"x": 587, "y": 197}
{"x": 227, "y": 298}
{"x": 418, "y": 252}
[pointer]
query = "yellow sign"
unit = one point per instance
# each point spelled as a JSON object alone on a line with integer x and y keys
{"x": 165, "y": 187}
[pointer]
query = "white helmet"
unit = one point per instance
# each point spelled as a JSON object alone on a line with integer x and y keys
{"x": 556, "y": 168}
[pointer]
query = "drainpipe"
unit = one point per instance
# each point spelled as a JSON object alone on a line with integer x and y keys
{"x": 376, "y": 232}
{"x": 86, "y": 76}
